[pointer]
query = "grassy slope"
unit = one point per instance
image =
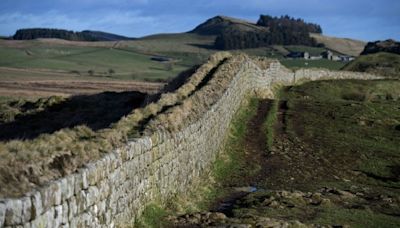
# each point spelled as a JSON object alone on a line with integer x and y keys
{"x": 341, "y": 45}
{"x": 126, "y": 64}
{"x": 383, "y": 63}
{"x": 350, "y": 133}
{"x": 129, "y": 59}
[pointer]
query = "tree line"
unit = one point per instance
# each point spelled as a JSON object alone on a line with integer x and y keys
{"x": 282, "y": 30}
{"x": 34, "y": 33}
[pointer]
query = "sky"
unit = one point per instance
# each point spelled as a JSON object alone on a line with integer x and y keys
{"x": 367, "y": 20}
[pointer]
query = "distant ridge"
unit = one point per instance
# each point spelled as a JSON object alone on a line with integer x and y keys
{"x": 105, "y": 36}
{"x": 87, "y": 35}
{"x": 217, "y": 25}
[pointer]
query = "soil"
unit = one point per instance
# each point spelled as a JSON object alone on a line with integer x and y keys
{"x": 256, "y": 147}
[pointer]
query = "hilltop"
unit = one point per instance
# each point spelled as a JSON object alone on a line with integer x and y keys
{"x": 217, "y": 25}
{"x": 235, "y": 33}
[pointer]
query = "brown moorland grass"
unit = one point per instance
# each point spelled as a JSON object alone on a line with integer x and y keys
{"x": 29, "y": 163}
{"x": 40, "y": 88}
{"x": 345, "y": 46}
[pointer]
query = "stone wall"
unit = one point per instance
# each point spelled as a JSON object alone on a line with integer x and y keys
{"x": 114, "y": 190}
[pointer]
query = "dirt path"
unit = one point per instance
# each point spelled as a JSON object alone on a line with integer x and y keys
{"x": 255, "y": 145}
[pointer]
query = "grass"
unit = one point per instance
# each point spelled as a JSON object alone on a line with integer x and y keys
{"x": 314, "y": 51}
{"x": 225, "y": 167}
{"x": 382, "y": 63}
{"x": 356, "y": 218}
{"x": 349, "y": 131}
{"x": 152, "y": 217}
{"x": 129, "y": 59}
{"x": 269, "y": 124}
{"x": 127, "y": 65}
{"x": 302, "y": 63}
{"x": 229, "y": 164}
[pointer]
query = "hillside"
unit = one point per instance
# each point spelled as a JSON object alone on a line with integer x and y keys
{"x": 239, "y": 34}
{"x": 381, "y": 63}
{"x": 342, "y": 45}
{"x": 87, "y": 35}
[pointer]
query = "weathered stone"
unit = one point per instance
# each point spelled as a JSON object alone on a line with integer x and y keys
{"x": 50, "y": 195}
{"x": 72, "y": 208}
{"x": 65, "y": 212}
{"x": 67, "y": 187}
{"x": 37, "y": 208}
{"x": 81, "y": 201}
{"x": 26, "y": 209}
{"x": 44, "y": 220}
{"x": 58, "y": 216}
{"x": 92, "y": 195}
{"x": 2, "y": 213}
{"x": 14, "y": 212}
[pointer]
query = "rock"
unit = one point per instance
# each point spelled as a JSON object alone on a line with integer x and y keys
{"x": 316, "y": 199}
{"x": 218, "y": 216}
{"x": 346, "y": 194}
{"x": 2, "y": 213}
{"x": 382, "y": 46}
{"x": 13, "y": 213}
{"x": 274, "y": 204}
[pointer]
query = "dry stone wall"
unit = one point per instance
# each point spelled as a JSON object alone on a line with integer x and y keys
{"x": 113, "y": 191}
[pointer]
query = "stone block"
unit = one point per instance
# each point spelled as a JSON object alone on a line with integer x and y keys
{"x": 58, "y": 216}
{"x": 26, "y": 209}
{"x": 72, "y": 208}
{"x": 14, "y": 212}
{"x": 67, "y": 187}
{"x": 2, "y": 213}
{"x": 92, "y": 196}
{"x": 81, "y": 201}
{"x": 37, "y": 208}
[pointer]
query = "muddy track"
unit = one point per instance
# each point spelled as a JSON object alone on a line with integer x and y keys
{"x": 255, "y": 144}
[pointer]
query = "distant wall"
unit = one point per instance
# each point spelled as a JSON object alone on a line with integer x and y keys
{"x": 114, "y": 190}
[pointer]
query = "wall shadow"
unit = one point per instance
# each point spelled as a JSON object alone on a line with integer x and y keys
{"x": 96, "y": 111}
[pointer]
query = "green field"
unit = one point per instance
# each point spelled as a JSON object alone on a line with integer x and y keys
{"x": 314, "y": 51}
{"x": 302, "y": 63}
{"x": 90, "y": 61}
{"x": 127, "y": 60}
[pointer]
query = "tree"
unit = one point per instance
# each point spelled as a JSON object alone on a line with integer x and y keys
{"x": 111, "y": 72}
{"x": 91, "y": 72}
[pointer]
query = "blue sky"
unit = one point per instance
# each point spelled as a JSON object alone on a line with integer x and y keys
{"x": 360, "y": 19}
